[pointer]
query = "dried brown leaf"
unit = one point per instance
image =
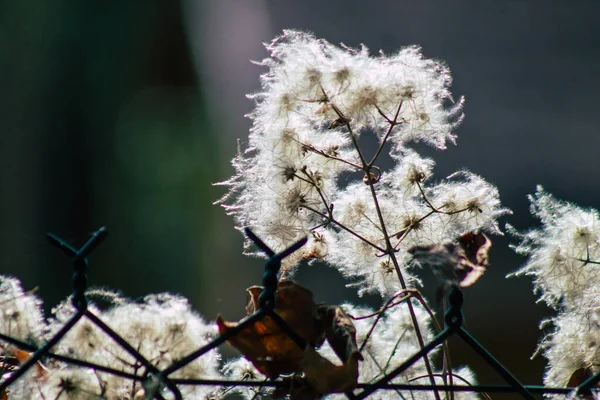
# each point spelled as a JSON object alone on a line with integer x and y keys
{"x": 273, "y": 352}
{"x": 13, "y": 359}
{"x": 321, "y": 374}
{"x": 456, "y": 264}
{"x": 269, "y": 348}
{"x": 476, "y": 247}
{"x": 339, "y": 331}
{"x": 326, "y": 377}
{"x": 22, "y": 356}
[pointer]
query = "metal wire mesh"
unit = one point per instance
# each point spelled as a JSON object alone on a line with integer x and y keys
{"x": 152, "y": 374}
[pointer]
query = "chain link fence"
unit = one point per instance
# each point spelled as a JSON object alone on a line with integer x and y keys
{"x": 154, "y": 379}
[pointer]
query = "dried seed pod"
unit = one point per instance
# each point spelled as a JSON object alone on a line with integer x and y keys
{"x": 456, "y": 264}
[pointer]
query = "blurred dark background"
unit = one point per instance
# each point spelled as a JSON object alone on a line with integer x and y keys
{"x": 124, "y": 113}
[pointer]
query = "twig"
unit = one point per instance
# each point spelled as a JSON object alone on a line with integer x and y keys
{"x": 392, "y": 123}
{"x": 413, "y": 316}
{"x": 389, "y": 249}
{"x": 342, "y": 226}
{"x": 327, "y": 155}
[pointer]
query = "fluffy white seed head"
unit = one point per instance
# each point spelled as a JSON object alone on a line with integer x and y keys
{"x": 573, "y": 344}
{"x": 304, "y": 172}
{"x": 163, "y": 329}
{"x": 562, "y": 253}
{"x": 391, "y": 342}
{"x": 21, "y": 313}
{"x": 70, "y": 384}
{"x": 240, "y": 369}
{"x": 305, "y": 71}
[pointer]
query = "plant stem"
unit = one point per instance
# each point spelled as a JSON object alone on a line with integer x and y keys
{"x": 319, "y": 191}
{"x": 387, "y": 134}
{"x": 389, "y": 249}
{"x": 327, "y": 155}
{"x": 342, "y": 226}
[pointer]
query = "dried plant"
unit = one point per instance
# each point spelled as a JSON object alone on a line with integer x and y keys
{"x": 326, "y": 122}
{"x": 163, "y": 328}
{"x": 331, "y": 157}
{"x": 563, "y": 259}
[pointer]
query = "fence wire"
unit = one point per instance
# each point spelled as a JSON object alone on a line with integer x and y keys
{"x": 155, "y": 378}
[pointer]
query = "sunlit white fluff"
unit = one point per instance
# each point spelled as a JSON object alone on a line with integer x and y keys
{"x": 303, "y": 170}
{"x": 21, "y": 313}
{"x": 557, "y": 251}
{"x": 392, "y": 342}
{"x": 562, "y": 258}
{"x": 163, "y": 329}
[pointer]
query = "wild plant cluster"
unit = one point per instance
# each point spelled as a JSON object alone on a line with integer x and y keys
{"x": 331, "y": 156}
{"x": 563, "y": 259}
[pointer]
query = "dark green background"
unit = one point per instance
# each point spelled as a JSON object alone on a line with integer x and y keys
{"x": 124, "y": 113}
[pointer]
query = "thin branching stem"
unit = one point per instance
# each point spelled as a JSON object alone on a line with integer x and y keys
{"x": 382, "y": 373}
{"x": 401, "y": 235}
{"x": 460, "y": 378}
{"x": 329, "y": 216}
{"x": 433, "y": 208}
{"x": 389, "y": 249}
{"x": 390, "y": 303}
{"x": 345, "y": 121}
{"x": 438, "y": 209}
{"x": 380, "y": 313}
{"x": 392, "y": 123}
{"x": 397, "y": 299}
{"x": 447, "y": 364}
{"x": 310, "y": 147}
{"x": 311, "y": 180}
{"x": 302, "y": 179}
{"x": 342, "y": 226}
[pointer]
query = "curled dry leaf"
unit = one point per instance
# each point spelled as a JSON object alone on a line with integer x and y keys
{"x": 22, "y": 356}
{"x": 324, "y": 377}
{"x": 456, "y": 264}
{"x": 264, "y": 343}
{"x": 339, "y": 331}
{"x": 321, "y": 374}
{"x": 579, "y": 376}
{"x": 273, "y": 353}
{"x": 476, "y": 247}
{"x": 15, "y": 357}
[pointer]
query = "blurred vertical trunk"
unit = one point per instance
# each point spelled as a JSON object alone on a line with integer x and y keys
{"x": 99, "y": 107}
